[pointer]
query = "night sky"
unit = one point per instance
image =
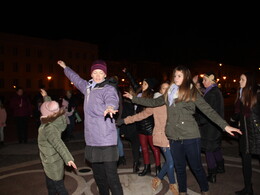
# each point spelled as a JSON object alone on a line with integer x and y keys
{"x": 166, "y": 38}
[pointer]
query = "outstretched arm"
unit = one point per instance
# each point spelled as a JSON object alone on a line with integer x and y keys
{"x": 214, "y": 116}
{"x": 110, "y": 110}
{"x": 148, "y": 102}
{"x": 139, "y": 116}
{"x": 230, "y": 130}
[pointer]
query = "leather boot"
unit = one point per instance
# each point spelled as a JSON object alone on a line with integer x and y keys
{"x": 136, "y": 167}
{"x": 205, "y": 193}
{"x": 157, "y": 170}
{"x": 221, "y": 166}
{"x": 245, "y": 191}
{"x": 147, "y": 169}
{"x": 182, "y": 193}
{"x": 212, "y": 174}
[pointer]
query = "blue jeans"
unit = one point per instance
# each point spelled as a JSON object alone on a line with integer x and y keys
{"x": 188, "y": 149}
{"x": 120, "y": 144}
{"x": 168, "y": 166}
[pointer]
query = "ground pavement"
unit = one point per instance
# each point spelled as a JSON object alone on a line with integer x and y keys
{"x": 21, "y": 172}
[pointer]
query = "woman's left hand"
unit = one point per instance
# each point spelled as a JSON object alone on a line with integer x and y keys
{"x": 230, "y": 130}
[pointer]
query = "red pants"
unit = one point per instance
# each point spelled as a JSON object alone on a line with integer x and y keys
{"x": 144, "y": 141}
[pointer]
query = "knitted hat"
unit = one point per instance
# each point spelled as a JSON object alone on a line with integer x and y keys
{"x": 49, "y": 108}
{"x": 99, "y": 64}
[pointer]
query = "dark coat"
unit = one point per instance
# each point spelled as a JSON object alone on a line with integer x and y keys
{"x": 129, "y": 131}
{"x": 20, "y": 111}
{"x": 211, "y": 134}
{"x": 249, "y": 141}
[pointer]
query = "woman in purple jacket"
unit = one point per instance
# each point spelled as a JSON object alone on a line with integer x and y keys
{"x": 101, "y": 102}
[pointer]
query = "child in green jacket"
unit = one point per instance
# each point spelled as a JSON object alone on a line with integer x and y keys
{"x": 53, "y": 151}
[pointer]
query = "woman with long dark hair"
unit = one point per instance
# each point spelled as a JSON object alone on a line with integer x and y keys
{"x": 247, "y": 114}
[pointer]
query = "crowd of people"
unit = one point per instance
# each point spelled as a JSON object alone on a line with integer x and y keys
{"x": 180, "y": 121}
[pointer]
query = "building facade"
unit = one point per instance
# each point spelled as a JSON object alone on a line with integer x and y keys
{"x": 31, "y": 63}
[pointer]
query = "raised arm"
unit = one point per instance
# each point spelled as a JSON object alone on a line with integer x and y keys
{"x": 45, "y": 95}
{"x": 78, "y": 82}
{"x": 62, "y": 64}
{"x": 131, "y": 78}
{"x": 148, "y": 102}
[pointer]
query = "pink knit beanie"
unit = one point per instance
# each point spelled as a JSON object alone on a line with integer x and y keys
{"x": 49, "y": 108}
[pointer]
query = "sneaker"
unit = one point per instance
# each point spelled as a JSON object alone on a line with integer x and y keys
{"x": 155, "y": 183}
{"x": 174, "y": 189}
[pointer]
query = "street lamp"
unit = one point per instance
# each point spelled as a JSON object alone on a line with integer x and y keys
{"x": 49, "y": 78}
{"x": 219, "y": 70}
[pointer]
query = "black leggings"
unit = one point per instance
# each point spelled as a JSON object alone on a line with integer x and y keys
{"x": 106, "y": 177}
{"x": 55, "y": 187}
{"x": 247, "y": 169}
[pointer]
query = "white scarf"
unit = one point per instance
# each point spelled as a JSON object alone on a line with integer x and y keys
{"x": 172, "y": 93}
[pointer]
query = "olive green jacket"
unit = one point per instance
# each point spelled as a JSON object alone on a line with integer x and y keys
{"x": 181, "y": 123}
{"x": 53, "y": 151}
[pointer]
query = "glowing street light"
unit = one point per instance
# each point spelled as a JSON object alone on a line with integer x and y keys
{"x": 49, "y": 78}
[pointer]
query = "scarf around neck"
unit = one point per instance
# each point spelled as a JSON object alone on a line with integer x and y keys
{"x": 172, "y": 93}
{"x": 209, "y": 88}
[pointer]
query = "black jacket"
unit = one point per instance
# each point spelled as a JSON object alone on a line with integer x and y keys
{"x": 249, "y": 124}
{"x": 211, "y": 134}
